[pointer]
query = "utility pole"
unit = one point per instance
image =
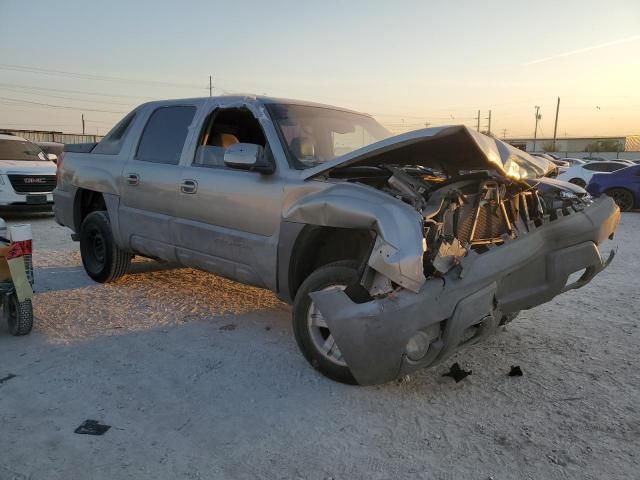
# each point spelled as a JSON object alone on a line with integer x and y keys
{"x": 504, "y": 133}
{"x": 478, "y": 119}
{"x": 555, "y": 125}
{"x": 210, "y": 86}
{"x": 83, "y": 123}
{"x": 535, "y": 132}
{"x": 489, "y": 124}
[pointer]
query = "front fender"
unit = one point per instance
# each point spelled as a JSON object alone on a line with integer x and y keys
{"x": 399, "y": 248}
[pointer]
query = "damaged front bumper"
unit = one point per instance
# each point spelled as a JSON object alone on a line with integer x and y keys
{"x": 466, "y": 304}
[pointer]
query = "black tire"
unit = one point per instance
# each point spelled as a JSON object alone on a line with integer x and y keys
{"x": 622, "y": 197}
{"x": 578, "y": 181}
{"x": 20, "y": 316}
{"x": 103, "y": 260}
{"x": 344, "y": 272}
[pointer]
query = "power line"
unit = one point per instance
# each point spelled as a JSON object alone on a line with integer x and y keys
{"x": 23, "y": 102}
{"x": 83, "y": 92}
{"x": 90, "y": 76}
{"x": 64, "y": 97}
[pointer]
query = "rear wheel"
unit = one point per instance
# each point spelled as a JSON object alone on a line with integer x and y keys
{"x": 103, "y": 260}
{"x": 622, "y": 197}
{"x": 578, "y": 181}
{"x": 310, "y": 328}
{"x": 20, "y": 316}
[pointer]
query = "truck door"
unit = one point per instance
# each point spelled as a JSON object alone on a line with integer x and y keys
{"x": 150, "y": 178}
{"x": 228, "y": 220}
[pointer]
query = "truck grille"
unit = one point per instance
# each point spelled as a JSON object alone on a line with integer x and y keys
{"x": 33, "y": 183}
{"x": 490, "y": 224}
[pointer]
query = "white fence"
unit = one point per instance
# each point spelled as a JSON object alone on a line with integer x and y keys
{"x": 44, "y": 136}
{"x": 606, "y": 155}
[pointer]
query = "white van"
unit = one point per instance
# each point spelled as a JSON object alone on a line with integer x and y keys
{"x": 27, "y": 174}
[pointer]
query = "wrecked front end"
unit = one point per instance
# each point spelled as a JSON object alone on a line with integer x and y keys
{"x": 492, "y": 239}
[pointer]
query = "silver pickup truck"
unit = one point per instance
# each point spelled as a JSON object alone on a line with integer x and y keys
{"x": 395, "y": 251}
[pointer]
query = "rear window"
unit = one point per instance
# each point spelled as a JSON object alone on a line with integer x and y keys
{"x": 111, "y": 144}
{"x": 21, "y": 150}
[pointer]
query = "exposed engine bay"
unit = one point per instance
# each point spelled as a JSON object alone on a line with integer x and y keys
{"x": 468, "y": 212}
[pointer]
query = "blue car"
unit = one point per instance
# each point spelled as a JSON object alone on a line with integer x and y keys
{"x": 622, "y": 185}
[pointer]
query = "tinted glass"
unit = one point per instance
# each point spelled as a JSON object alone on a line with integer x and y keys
{"x": 112, "y": 142}
{"x": 596, "y": 167}
{"x": 165, "y": 134}
{"x": 611, "y": 167}
{"x": 21, "y": 150}
{"x": 314, "y": 135}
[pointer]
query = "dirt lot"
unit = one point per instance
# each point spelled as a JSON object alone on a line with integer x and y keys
{"x": 200, "y": 378}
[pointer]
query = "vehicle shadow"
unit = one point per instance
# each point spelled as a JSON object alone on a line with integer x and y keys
{"x": 50, "y": 279}
{"x": 26, "y": 215}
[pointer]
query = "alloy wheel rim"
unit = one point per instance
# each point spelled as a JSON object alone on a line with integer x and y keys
{"x": 320, "y": 334}
{"x": 97, "y": 248}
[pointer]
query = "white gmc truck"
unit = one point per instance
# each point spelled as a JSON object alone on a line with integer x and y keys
{"x": 27, "y": 175}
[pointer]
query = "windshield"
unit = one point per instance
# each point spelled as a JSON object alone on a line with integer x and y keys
{"x": 20, "y": 150}
{"x": 314, "y": 135}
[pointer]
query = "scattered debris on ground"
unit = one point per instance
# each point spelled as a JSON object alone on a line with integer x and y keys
{"x": 92, "y": 427}
{"x": 515, "y": 371}
{"x": 457, "y": 373}
{"x": 7, "y": 378}
{"x": 249, "y": 393}
{"x": 228, "y": 327}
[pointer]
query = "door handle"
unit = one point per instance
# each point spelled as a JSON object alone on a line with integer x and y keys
{"x": 133, "y": 179}
{"x": 189, "y": 186}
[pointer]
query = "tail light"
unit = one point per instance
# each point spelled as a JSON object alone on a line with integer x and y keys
{"x": 59, "y": 167}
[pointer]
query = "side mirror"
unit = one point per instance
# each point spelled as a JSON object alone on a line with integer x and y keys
{"x": 248, "y": 156}
{"x": 52, "y": 157}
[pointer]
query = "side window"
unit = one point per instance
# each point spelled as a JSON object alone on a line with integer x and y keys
{"x": 606, "y": 167}
{"x": 593, "y": 167}
{"x": 164, "y": 135}
{"x": 612, "y": 167}
{"x": 111, "y": 144}
{"x": 223, "y": 128}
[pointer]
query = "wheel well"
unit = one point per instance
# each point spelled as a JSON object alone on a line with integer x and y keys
{"x": 633, "y": 197}
{"x": 87, "y": 201}
{"x": 317, "y": 246}
{"x": 618, "y": 188}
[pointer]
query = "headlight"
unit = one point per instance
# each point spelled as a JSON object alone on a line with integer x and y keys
{"x": 417, "y": 346}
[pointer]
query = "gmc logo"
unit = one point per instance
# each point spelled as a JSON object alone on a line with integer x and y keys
{"x": 35, "y": 180}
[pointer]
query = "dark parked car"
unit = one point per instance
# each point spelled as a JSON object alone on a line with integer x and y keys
{"x": 623, "y": 186}
{"x": 52, "y": 149}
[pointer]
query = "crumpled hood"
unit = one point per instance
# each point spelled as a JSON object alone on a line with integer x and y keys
{"x": 451, "y": 149}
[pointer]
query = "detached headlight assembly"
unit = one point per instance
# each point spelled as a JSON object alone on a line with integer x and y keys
{"x": 567, "y": 195}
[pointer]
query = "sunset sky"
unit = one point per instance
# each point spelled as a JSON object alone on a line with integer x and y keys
{"x": 406, "y": 63}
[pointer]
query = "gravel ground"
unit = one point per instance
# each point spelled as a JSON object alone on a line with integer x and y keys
{"x": 200, "y": 378}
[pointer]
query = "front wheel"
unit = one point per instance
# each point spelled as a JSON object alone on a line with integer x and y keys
{"x": 309, "y": 327}
{"x": 103, "y": 260}
{"x": 622, "y": 197}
